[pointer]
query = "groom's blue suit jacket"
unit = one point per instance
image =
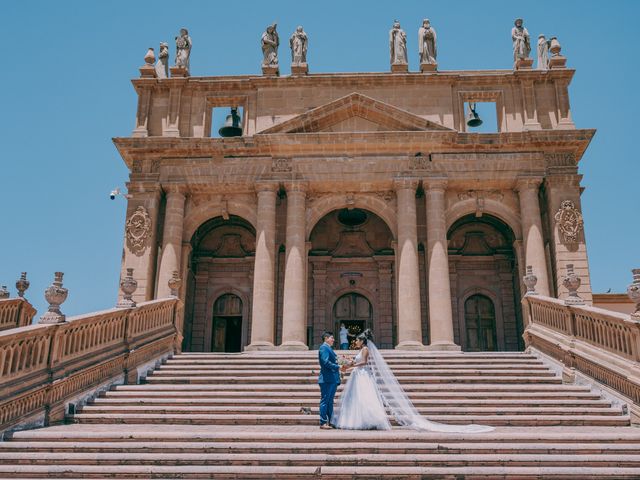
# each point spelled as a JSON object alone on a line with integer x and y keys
{"x": 329, "y": 368}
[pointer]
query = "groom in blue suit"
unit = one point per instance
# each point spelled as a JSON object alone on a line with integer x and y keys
{"x": 328, "y": 380}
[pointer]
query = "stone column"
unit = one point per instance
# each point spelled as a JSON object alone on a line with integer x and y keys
{"x": 409, "y": 319}
{"x": 532, "y": 230}
{"x": 171, "y": 240}
{"x": 439, "y": 285}
{"x": 263, "y": 308}
{"x": 294, "y": 312}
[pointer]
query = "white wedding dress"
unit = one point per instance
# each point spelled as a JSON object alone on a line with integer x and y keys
{"x": 372, "y": 389}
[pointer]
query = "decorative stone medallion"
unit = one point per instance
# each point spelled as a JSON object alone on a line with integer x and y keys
{"x": 569, "y": 221}
{"x": 138, "y": 230}
{"x": 281, "y": 165}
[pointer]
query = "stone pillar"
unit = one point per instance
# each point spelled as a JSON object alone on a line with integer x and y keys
{"x": 294, "y": 313}
{"x": 409, "y": 318}
{"x": 140, "y": 239}
{"x": 558, "y": 189}
{"x": 532, "y": 237}
{"x": 439, "y": 284}
{"x": 171, "y": 241}
{"x": 263, "y": 308}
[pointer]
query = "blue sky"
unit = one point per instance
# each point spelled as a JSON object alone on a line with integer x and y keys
{"x": 65, "y": 91}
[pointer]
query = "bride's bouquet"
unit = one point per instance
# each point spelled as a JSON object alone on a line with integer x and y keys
{"x": 344, "y": 360}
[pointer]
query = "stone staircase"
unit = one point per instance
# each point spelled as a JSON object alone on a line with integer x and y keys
{"x": 243, "y": 416}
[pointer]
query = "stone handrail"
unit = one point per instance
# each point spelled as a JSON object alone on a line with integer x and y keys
{"x": 15, "y": 312}
{"x": 602, "y": 344}
{"x": 45, "y": 367}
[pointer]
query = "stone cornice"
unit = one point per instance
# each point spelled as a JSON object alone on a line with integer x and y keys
{"x": 381, "y": 143}
{"x": 252, "y": 82}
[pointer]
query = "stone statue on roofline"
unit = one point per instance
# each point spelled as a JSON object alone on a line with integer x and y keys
{"x": 162, "y": 65}
{"x": 521, "y": 41}
{"x": 427, "y": 43}
{"x": 183, "y": 49}
{"x": 543, "y": 52}
{"x": 398, "y": 45}
{"x": 270, "y": 43}
{"x": 298, "y": 43}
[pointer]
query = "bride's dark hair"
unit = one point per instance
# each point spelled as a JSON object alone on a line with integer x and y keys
{"x": 365, "y": 336}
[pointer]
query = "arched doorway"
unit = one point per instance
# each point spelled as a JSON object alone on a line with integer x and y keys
{"x": 480, "y": 322}
{"x": 351, "y": 251}
{"x": 484, "y": 284}
{"x": 227, "y": 324}
{"x": 219, "y": 282}
{"x": 355, "y": 312}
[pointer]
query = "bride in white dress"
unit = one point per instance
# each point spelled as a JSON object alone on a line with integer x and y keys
{"x": 372, "y": 389}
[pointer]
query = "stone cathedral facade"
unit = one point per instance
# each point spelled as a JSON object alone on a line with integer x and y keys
{"x": 361, "y": 199}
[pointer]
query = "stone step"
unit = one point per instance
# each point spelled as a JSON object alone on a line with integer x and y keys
{"x": 312, "y": 394}
{"x": 265, "y": 356}
{"x": 352, "y": 447}
{"x": 313, "y": 379}
{"x": 399, "y": 373}
{"x": 324, "y": 472}
{"x": 286, "y": 419}
{"x": 411, "y": 389}
{"x": 288, "y": 364}
{"x": 292, "y": 410}
{"x": 285, "y": 400}
{"x": 317, "y": 459}
{"x": 274, "y": 434}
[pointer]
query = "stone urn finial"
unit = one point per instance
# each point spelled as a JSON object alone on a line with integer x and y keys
{"x": 55, "y": 295}
{"x": 572, "y": 282}
{"x": 554, "y": 46}
{"x": 174, "y": 283}
{"x": 4, "y": 293}
{"x": 633, "y": 291}
{"x": 530, "y": 280}
{"x": 150, "y": 57}
{"x": 22, "y": 284}
{"x": 128, "y": 285}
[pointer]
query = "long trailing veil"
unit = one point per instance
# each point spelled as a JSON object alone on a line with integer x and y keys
{"x": 399, "y": 404}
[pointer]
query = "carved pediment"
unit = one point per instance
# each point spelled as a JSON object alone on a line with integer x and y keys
{"x": 355, "y": 113}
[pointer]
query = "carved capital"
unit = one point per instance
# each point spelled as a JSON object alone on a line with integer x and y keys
{"x": 266, "y": 186}
{"x": 528, "y": 183}
{"x": 302, "y": 187}
{"x": 173, "y": 188}
{"x": 401, "y": 183}
{"x": 433, "y": 184}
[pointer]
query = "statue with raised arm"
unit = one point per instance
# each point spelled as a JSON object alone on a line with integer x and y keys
{"x": 543, "y": 52}
{"x": 270, "y": 43}
{"x": 427, "y": 43}
{"x": 298, "y": 43}
{"x": 162, "y": 65}
{"x": 521, "y": 41}
{"x": 183, "y": 49}
{"x": 398, "y": 45}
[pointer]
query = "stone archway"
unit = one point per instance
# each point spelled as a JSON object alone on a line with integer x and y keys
{"x": 483, "y": 263}
{"x": 221, "y": 263}
{"x": 351, "y": 252}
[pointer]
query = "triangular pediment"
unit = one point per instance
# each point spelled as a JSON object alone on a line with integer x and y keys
{"x": 355, "y": 113}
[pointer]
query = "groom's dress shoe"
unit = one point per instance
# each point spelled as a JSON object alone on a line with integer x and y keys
{"x": 325, "y": 427}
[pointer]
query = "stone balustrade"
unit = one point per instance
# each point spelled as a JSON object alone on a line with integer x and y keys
{"x": 602, "y": 344}
{"x": 45, "y": 367}
{"x": 15, "y": 312}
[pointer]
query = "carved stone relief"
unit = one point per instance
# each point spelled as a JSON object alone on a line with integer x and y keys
{"x": 281, "y": 165}
{"x": 569, "y": 221}
{"x": 138, "y": 230}
{"x": 420, "y": 163}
